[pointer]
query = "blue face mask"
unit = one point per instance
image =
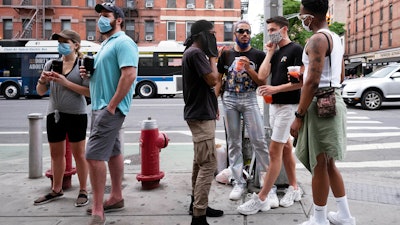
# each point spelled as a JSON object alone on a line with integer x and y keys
{"x": 64, "y": 48}
{"x": 104, "y": 24}
{"x": 242, "y": 45}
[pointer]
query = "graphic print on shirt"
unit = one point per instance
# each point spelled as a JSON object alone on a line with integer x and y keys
{"x": 238, "y": 79}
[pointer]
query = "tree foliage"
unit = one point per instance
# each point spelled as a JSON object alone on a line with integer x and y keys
{"x": 296, "y": 30}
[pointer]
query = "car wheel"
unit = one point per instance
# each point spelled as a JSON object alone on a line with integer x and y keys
{"x": 11, "y": 91}
{"x": 146, "y": 90}
{"x": 371, "y": 100}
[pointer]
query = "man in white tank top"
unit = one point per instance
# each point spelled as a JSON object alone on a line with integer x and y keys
{"x": 321, "y": 141}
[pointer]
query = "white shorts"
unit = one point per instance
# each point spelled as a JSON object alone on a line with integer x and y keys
{"x": 281, "y": 117}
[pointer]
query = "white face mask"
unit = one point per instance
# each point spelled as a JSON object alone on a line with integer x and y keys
{"x": 303, "y": 18}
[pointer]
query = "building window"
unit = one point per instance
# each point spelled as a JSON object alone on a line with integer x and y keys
{"x": 390, "y": 38}
{"x": 363, "y": 43}
{"x": 7, "y": 29}
{"x": 171, "y": 30}
{"x": 390, "y": 11}
{"x": 348, "y": 47}
{"x": 228, "y": 31}
{"x": 188, "y": 27}
{"x": 91, "y": 3}
{"x": 228, "y": 4}
{"x": 190, "y": 3}
{"x": 364, "y": 22}
{"x": 356, "y": 25}
{"x": 380, "y": 39}
{"x": 171, "y": 3}
{"x": 7, "y": 2}
{"x": 209, "y": 4}
{"x": 355, "y": 46}
{"x": 130, "y": 28}
{"x": 372, "y": 18}
{"x": 130, "y": 4}
{"x": 381, "y": 14}
{"x": 356, "y": 6}
{"x": 65, "y": 2}
{"x": 348, "y": 30}
{"x": 27, "y": 28}
{"x": 91, "y": 29}
{"x": 149, "y": 29}
{"x": 65, "y": 24}
{"x": 370, "y": 42}
{"x": 48, "y": 29}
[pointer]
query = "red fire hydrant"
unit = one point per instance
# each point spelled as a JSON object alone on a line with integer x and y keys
{"x": 151, "y": 142}
{"x": 69, "y": 170}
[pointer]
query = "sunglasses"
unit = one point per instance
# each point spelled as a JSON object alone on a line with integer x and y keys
{"x": 304, "y": 16}
{"x": 241, "y": 31}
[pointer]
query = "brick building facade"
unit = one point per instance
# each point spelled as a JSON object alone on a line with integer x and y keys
{"x": 372, "y": 32}
{"x": 148, "y": 21}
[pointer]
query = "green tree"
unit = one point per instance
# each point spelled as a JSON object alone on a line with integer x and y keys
{"x": 296, "y": 30}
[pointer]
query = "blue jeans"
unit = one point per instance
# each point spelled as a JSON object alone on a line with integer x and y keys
{"x": 245, "y": 104}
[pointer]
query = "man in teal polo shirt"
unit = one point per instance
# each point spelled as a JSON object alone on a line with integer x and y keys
{"x": 111, "y": 90}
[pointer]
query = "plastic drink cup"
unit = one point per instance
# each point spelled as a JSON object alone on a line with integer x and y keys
{"x": 267, "y": 99}
{"x": 239, "y": 64}
{"x": 294, "y": 72}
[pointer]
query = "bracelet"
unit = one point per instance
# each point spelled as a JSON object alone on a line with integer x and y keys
{"x": 41, "y": 82}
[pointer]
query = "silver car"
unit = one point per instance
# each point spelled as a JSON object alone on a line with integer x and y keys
{"x": 382, "y": 85}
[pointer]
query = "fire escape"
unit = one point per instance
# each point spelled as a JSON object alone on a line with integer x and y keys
{"x": 33, "y": 18}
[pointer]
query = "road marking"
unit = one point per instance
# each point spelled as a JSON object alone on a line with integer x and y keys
{"x": 364, "y": 121}
{"x": 380, "y": 134}
{"x": 364, "y": 164}
{"x": 368, "y": 147}
{"x": 373, "y": 128}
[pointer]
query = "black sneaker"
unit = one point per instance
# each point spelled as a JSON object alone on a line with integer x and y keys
{"x": 49, "y": 197}
{"x": 210, "y": 212}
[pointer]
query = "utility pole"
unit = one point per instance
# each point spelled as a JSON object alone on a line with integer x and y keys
{"x": 272, "y": 8}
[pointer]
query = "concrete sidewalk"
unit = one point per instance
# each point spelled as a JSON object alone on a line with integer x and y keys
{"x": 168, "y": 204}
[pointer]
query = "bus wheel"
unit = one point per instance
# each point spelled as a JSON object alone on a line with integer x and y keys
{"x": 11, "y": 91}
{"x": 146, "y": 90}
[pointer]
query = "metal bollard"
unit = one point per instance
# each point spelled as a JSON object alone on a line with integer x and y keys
{"x": 35, "y": 145}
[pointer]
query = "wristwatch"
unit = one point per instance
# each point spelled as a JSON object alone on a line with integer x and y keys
{"x": 298, "y": 115}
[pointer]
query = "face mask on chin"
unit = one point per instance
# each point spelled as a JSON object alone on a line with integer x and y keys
{"x": 276, "y": 37}
{"x": 104, "y": 24}
{"x": 242, "y": 45}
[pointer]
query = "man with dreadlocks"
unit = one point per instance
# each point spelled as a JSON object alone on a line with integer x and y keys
{"x": 201, "y": 110}
{"x": 321, "y": 141}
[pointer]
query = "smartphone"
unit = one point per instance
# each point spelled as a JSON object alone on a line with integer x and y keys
{"x": 57, "y": 66}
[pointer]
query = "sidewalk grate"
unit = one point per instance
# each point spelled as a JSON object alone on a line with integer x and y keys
{"x": 373, "y": 193}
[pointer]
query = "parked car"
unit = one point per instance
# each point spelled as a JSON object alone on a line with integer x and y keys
{"x": 382, "y": 85}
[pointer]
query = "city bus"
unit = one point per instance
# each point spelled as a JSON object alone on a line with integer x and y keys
{"x": 22, "y": 61}
{"x": 160, "y": 70}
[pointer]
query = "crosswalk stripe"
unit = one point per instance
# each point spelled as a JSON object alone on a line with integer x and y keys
{"x": 364, "y": 164}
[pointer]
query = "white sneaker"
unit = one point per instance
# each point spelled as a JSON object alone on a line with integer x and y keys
{"x": 273, "y": 198}
{"x": 291, "y": 196}
{"x": 312, "y": 221}
{"x": 253, "y": 205}
{"x": 236, "y": 193}
{"x": 333, "y": 217}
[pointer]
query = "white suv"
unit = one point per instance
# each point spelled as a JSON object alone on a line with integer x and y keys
{"x": 379, "y": 86}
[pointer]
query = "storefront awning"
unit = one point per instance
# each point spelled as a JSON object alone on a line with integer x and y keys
{"x": 352, "y": 65}
{"x": 384, "y": 61}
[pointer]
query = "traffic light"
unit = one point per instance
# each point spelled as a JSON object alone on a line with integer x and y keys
{"x": 328, "y": 20}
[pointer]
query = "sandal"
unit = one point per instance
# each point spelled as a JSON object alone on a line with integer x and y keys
{"x": 82, "y": 199}
{"x": 49, "y": 197}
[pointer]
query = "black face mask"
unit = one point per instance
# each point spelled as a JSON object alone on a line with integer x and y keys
{"x": 209, "y": 44}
